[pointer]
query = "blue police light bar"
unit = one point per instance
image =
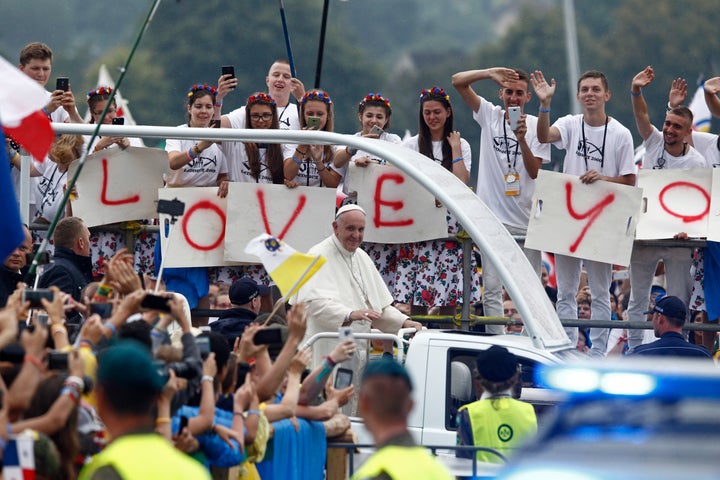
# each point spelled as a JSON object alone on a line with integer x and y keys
{"x": 661, "y": 377}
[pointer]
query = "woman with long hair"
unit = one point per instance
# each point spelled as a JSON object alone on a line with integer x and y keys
{"x": 430, "y": 274}
{"x": 311, "y": 165}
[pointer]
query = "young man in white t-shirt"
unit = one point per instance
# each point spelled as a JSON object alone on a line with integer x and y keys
{"x": 598, "y": 148}
{"x": 662, "y": 150}
{"x": 509, "y": 164}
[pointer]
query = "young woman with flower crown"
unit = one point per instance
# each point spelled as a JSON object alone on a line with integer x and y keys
{"x": 103, "y": 246}
{"x": 194, "y": 164}
{"x": 254, "y": 163}
{"x": 430, "y": 274}
{"x": 311, "y": 165}
{"x": 374, "y": 110}
{"x": 197, "y": 163}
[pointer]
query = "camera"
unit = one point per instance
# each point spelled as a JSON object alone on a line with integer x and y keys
{"x": 174, "y": 207}
{"x": 58, "y": 361}
{"x": 102, "y": 309}
{"x": 272, "y": 335}
{"x": 35, "y": 297}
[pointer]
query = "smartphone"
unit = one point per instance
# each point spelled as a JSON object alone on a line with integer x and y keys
{"x": 183, "y": 423}
{"x": 343, "y": 378}
{"x": 345, "y": 333}
{"x": 215, "y": 123}
{"x": 229, "y": 70}
{"x": 62, "y": 83}
{"x": 313, "y": 123}
{"x": 118, "y": 121}
{"x": 270, "y": 335}
{"x": 58, "y": 361}
{"x": 242, "y": 371}
{"x": 203, "y": 345}
{"x": 34, "y": 296}
{"x": 375, "y": 130}
{"x": 102, "y": 309}
{"x": 42, "y": 319}
{"x": 156, "y": 302}
{"x": 513, "y": 117}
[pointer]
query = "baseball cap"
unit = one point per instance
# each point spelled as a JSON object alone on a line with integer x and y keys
{"x": 244, "y": 290}
{"x": 496, "y": 364}
{"x": 129, "y": 364}
{"x": 670, "y": 306}
{"x": 387, "y": 368}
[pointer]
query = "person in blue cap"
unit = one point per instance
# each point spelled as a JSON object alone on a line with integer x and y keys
{"x": 668, "y": 318}
{"x": 385, "y": 403}
{"x": 128, "y": 386}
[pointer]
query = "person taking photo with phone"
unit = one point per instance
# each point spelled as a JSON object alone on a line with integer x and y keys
{"x": 311, "y": 165}
{"x": 510, "y": 157}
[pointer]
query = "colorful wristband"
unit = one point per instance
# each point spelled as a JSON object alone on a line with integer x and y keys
{"x": 458, "y": 159}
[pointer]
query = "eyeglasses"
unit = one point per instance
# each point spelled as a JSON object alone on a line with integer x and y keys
{"x": 261, "y": 116}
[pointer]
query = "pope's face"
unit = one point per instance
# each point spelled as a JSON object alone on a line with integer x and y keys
{"x": 349, "y": 228}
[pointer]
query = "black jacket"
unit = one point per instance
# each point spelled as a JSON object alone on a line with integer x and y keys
{"x": 8, "y": 283}
{"x": 69, "y": 272}
{"x": 231, "y": 323}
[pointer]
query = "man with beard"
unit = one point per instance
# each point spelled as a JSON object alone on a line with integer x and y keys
{"x": 662, "y": 150}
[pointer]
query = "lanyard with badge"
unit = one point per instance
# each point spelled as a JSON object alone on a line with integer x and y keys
{"x": 584, "y": 142}
{"x": 512, "y": 178}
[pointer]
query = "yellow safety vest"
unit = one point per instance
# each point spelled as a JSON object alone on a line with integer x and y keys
{"x": 500, "y": 424}
{"x": 146, "y": 456}
{"x": 402, "y": 463}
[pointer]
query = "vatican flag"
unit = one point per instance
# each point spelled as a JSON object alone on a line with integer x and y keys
{"x": 288, "y": 268}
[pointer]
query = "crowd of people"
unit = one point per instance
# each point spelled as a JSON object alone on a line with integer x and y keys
{"x": 136, "y": 364}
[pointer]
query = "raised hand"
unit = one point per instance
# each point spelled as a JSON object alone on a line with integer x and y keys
{"x": 643, "y": 79}
{"x": 678, "y": 92}
{"x": 503, "y": 76}
{"x": 542, "y": 88}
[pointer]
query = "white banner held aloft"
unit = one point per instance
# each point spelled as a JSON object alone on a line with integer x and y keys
{"x": 714, "y": 220}
{"x": 674, "y": 201}
{"x": 300, "y": 216}
{"x": 197, "y": 238}
{"x": 118, "y": 185}
{"x": 594, "y": 222}
{"x": 398, "y": 209}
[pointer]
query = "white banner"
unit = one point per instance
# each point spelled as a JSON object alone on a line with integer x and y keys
{"x": 300, "y": 216}
{"x": 197, "y": 238}
{"x": 674, "y": 201}
{"x": 714, "y": 220}
{"x": 398, "y": 209}
{"x": 118, "y": 185}
{"x": 595, "y": 221}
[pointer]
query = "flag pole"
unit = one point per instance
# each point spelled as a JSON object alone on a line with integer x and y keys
{"x": 290, "y": 292}
{"x": 287, "y": 39}
{"x": 81, "y": 163}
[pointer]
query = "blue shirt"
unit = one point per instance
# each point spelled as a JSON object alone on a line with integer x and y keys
{"x": 672, "y": 344}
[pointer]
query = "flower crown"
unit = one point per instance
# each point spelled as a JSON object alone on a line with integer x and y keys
{"x": 375, "y": 97}
{"x": 435, "y": 91}
{"x": 198, "y": 87}
{"x": 261, "y": 97}
{"x": 99, "y": 91}
{"x": 316, "y": 95}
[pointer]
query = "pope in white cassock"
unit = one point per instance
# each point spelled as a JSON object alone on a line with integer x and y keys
{"x": 348, "y": 291}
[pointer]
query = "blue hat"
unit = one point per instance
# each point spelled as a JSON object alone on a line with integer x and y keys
{"x": 387, "y": 368}
{"x": 671, "y": 307}
{"x": 129, "y": 365}
{"x": 244, "y": 290}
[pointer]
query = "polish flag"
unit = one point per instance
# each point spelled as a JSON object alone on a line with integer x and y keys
{"x": 21, "y": 103}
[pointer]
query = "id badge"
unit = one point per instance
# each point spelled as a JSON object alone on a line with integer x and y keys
{"x": 512, "y": 184}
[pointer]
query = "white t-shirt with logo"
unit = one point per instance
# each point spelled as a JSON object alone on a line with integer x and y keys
{"x": 200, "y": 172}
{"x": 500, "y": 154}
{"x": 611, "y": 156}
{"x": 656, "y": 157}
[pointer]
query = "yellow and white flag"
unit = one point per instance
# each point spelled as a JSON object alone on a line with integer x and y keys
{"x": 288, "y": 268}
